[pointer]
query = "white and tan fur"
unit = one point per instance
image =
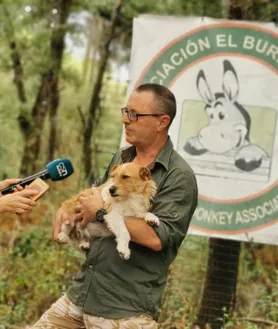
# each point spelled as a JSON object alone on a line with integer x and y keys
{"x": 128, "y": 192}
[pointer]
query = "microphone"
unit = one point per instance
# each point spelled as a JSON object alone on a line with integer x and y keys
{"x": 58, "y": 169}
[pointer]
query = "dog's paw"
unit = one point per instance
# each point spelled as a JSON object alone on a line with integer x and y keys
{"x": 124, "y": 252}
{"x": 124, "y": 255}
{"x": 84, "y": 245}
{"x": 151, "y": 219}
{"x": 62, "y": 238}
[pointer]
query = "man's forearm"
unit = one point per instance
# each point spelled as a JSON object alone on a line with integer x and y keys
{"x": 142, "y": 233}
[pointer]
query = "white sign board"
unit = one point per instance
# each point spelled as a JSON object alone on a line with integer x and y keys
{"x": 224, "y": 77}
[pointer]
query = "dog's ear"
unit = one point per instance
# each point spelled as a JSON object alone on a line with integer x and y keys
{"x": 113, "y": 169}
{"x": 145, "y": 173}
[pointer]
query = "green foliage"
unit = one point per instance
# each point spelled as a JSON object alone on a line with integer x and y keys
{"x": 30, "y": 31}
{"x": 35, "y": 271}
{"x": 71, "y": 72}
{"x": 35, "y": 274}
{"x": 257, "y": 288}
{"x": 10, "y": 147}
{"x": 184, "y": 285}
{"x": 269, "y": 302}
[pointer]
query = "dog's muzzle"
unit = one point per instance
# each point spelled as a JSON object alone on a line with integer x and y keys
{"x": 112, "y": 190}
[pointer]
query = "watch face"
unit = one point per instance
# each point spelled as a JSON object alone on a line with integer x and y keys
{"x": 100, "y": 214}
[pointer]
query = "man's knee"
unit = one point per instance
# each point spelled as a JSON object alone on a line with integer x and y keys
{"x": 62, "y": 314}
{"x": 135, "y": 322}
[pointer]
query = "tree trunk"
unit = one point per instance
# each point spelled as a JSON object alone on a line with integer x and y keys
{"x": 104, "y": 55}
{"x": 18, "y": 72}
{"x": 225, "y": 6}
{"x": 33, "y": 127}
{"x": 87, "y": 60}
{"x": 98, "y": 24}
{"x": 57, "y": 49}
{"x": 47, "y": 99}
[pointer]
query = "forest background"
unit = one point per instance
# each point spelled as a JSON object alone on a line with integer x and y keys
{"x": 64, "y": 77}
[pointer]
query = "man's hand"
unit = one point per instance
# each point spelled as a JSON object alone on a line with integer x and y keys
{"x": 18, "y": 202}
{"x": 87, "y": 208}
{"x": 61, "y": 217}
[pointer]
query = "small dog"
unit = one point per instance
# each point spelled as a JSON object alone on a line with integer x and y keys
{"x": 128, "y": 192}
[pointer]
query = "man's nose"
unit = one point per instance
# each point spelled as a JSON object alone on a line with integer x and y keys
{"x": 125, "y": 118}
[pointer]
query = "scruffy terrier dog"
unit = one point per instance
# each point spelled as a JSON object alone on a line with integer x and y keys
{"x": 128, "y": 192}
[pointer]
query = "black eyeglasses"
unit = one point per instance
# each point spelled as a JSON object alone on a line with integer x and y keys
{"x": 133, "y": 116}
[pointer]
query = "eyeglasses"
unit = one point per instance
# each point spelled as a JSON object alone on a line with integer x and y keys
{"x": 133, "y": 116}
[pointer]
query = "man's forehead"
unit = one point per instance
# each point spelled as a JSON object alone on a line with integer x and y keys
{"x": 143, "y": 97}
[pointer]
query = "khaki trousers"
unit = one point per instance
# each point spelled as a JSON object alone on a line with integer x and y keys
{"x": 65, "y": 315}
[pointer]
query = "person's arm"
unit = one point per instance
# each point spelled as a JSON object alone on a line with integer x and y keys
{"x": 62, "y": 216}
{"x": 174, "y": 206}
{"x": 142, "y": 233}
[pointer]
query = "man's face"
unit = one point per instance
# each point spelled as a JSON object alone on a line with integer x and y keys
{"x": 145, "y": 129}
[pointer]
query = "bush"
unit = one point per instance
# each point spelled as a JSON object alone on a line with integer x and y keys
{"x": 34, "y": 274}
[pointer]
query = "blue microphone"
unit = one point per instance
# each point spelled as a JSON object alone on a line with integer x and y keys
{"x": 58, "y": 169}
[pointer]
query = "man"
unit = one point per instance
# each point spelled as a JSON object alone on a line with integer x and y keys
{"x": 109, "y": 292}
{"x": 18, "y": 202}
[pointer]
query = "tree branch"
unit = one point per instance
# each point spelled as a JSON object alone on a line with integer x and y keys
{"x": 260, "y": 321}
{"x": 15, "y": 55}
{"x": 82, "y": 117}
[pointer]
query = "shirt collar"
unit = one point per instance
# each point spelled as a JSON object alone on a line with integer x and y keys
{"x": 128, "y": 154}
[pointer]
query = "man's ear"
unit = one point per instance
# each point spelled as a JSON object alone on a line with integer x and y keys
{"x": 114, "y": 168}
{"x": 145, "y": 173}
{"x": 164, "y": 121}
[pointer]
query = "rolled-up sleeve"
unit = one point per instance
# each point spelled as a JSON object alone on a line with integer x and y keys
{"x": 174, "y": 205}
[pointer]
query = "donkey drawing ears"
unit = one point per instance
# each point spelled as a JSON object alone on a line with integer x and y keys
{"x": 204, "y": 89}
{"x": 230, "y": 85}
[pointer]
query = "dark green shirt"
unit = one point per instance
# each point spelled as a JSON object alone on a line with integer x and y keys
{"x": 110, "y": 287}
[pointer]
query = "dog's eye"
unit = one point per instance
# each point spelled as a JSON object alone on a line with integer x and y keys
{"x": 125, "y": 176}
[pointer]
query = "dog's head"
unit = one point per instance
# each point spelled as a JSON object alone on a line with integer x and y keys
{"x": 129, "y": 179}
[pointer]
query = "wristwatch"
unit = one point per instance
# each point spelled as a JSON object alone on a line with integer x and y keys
{"x": 100, "y": 215}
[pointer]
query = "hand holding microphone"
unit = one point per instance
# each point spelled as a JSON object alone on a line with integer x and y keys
{"x": 20, "y": 201}
{"x": 56, "y": 170}
{"x": 7, "y": 182}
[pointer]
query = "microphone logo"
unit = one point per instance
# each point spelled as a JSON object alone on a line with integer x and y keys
{"x": 62, "y": 170}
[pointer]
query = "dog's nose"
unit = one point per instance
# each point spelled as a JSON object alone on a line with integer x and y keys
{"x": 112, "y": 189}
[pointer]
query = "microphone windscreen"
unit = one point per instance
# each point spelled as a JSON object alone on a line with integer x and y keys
{"x": 59, "y": 169}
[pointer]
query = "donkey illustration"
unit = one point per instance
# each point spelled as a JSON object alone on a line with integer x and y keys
{"x": 229, "y": 123}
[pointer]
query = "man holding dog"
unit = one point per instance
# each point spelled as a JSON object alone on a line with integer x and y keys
{"x": 109, "y": 292}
